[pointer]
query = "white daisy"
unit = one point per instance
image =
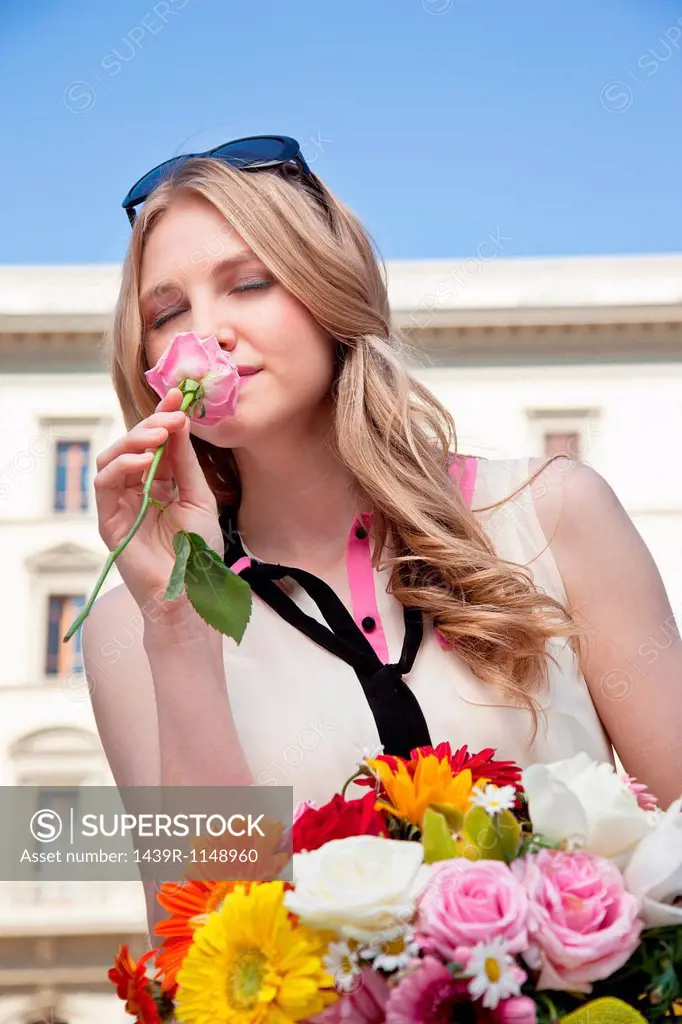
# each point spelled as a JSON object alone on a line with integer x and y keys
{"x": 494, "y": 799}
{"x": 391, "y": 951}
{"x": 342, "y": 962}
{"x": 494, "y": 974}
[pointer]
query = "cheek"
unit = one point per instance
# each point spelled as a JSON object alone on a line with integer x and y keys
{"x": 297, "y": 350}
{"x": 309, "y": 375}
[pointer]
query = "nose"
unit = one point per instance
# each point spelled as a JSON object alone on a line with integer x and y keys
{"x": 227, "y": 339}
{"x": 211, "y": 319}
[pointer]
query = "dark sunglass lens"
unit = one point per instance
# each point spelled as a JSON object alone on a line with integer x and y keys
{"x": 154, "y": 178}
{"x": 255, "y": 151}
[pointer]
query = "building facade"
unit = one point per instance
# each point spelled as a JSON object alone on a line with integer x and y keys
{"x": 581, "y": 355}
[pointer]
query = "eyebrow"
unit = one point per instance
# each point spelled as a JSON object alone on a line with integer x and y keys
{"x": 159, "y": 291}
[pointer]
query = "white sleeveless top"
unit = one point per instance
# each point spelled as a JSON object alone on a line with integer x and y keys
{"x": 301, "y": 712}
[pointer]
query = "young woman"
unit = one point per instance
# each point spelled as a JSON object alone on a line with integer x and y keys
{"x": 424, "y": 596}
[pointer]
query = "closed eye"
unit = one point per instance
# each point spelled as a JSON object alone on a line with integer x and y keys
{"x": 164, "y": 318}
{"x": 251, "y": 285}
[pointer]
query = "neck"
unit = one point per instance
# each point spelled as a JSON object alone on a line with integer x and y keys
{"x": 297, "y": 503}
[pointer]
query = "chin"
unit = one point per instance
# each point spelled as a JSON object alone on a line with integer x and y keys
{"x": 232, "y": 432}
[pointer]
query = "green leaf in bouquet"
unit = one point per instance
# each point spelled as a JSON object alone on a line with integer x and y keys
{"x": 436, "y": 839}
{"x": 452, "y": 814}
{"x": 221, "y": 597}
{"x": 182, "y": 548}
{"x": 509, "y": 830}
{"x": 480, "y": 829}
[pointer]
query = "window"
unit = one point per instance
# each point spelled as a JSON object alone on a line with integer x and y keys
{"x": 59, "y": 579}
{"x": 71, "y": 443}
{"x": 72, "y": 476}
{"x": 63, "y": 802}
{"x": 564, "y": 431}
{"x": 56, "y": 762}
{"x": 62, "y": 659}
{"x": 563, "y": 443}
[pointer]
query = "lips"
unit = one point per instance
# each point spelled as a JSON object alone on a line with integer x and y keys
{"x": 247, "y": 371}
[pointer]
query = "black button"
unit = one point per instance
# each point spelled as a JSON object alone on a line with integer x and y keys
{"x": 361, "y": 533}
{"x": 368, "y": 624}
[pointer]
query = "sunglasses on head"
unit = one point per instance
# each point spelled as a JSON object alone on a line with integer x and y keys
{"x": 253, "y": 153}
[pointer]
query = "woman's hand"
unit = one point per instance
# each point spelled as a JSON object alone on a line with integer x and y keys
{"x": 146, "y": 562}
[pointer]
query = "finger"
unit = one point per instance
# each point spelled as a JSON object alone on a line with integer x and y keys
{"x": 124, "y": 472}
{"x": 187, "y": 472}
{"x": 171, "y": 401}
{"x": 125, "y": 477}
{"x": 149, "y": 433}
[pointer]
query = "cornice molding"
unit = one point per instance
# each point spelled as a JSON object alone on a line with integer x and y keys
{"x": 651, "y": 340}
{"x": 66, "y": 557}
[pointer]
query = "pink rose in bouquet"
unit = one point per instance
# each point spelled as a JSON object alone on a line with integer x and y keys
{"x": 471, "y": 901}
{"x": 583, "y": 924}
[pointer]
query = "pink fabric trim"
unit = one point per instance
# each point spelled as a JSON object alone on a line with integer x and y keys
{"x": 361, "y": 581}
{"x": 463, "y": 468}
{"x": 241, "y": 563}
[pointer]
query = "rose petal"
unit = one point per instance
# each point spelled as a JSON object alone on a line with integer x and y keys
{"x": 184, "y": 357}
{"x": 555, "y": 811}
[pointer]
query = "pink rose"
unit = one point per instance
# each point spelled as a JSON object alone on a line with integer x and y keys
{"x": 583, "y": 923}
{"x": 188, "y": 356}
{"x": 470, "y": 901}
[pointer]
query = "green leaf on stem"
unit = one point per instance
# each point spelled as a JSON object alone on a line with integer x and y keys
{"x": 481, "y": 830}
{"x": 218, "y": 595}
{"x": 436, "y": 838}
{"x": 182, "y": 548}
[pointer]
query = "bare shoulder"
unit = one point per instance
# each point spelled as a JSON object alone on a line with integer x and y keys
{"x": 121, "y": 687}
{"x": 570, "y": 496}
{"x": 594, "y": 542}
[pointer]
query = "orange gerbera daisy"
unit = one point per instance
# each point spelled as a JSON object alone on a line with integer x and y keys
{"x": 432, "y": 783}
{"x": 133, "y": 985}
{"x": 209, "y": 880}
{"x": 188, "y": 903}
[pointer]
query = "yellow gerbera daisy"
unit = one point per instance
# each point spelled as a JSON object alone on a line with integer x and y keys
{"x": 252, "y": 964}
{"x": 432, "y": 783}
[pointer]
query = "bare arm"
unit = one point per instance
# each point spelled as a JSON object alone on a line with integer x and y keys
{"x": 160, "y": 701}
{"x": 159, "y": 695}
{"x": 632, "y": 656}
{"x": 198, "y": 740}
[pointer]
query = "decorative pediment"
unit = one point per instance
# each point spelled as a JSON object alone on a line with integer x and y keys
{"x": 66, "y": 557}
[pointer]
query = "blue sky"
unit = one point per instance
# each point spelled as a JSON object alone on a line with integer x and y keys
{"x": 556, "y": 123}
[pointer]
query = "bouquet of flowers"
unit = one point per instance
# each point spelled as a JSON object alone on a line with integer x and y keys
{"x": 457, "y": 888}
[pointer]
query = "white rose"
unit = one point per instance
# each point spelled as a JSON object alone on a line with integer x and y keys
{"x": 358, "y": 886}
{"x": 586, "y": 800}
{"x": 654, "y": 872}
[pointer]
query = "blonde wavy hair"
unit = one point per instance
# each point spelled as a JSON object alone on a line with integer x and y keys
{"x": 389, "y": 431}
